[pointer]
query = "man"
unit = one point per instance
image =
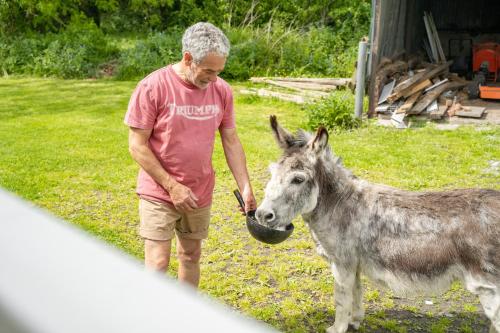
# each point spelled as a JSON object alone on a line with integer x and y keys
{"x": 173, "y": 115}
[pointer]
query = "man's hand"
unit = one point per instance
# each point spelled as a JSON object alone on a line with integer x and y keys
{"x": 182, "y": 197}
{"x": 248, "y": 197}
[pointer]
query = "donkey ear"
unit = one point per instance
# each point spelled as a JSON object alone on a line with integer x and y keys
{"x": 283, "y": 137}
{"x": 320, "y": 141}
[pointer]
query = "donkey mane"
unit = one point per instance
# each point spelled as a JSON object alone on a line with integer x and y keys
{"x": 300, "y": 139}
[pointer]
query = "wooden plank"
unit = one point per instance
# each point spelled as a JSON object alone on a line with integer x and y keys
{"x": 439, "y": 113}
{"x": 417, "y": 78}
{"x": 268, "y": 93}
{"x": 398, "y": 120}
{"x": 432, "y": 95}
{"x": 297, "y": 85}
{"x": 471, "y": 111}
{"x": 437, "y": 84}
{"x": 291, "y": 86}
{"x": 431, "y": 39}
{"x": 410, "y": 91}
{"x": 427, "y": 48}
{"x": 409, "y": 103}
{"x": 442, "y": 57}
{"x": 325, "y": 81}
{"x": 416, "y": 88}
{"x": 304, "y": 85}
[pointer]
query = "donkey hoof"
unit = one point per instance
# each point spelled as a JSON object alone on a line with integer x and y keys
{"x": 355, "y": 324}
{"x": 333, "y": 329}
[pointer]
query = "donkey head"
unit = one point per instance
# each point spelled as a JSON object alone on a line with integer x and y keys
{"x": 293, "y": 188}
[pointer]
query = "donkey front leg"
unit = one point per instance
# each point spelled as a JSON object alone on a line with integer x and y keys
{"x": 345, "y": 278}
{"x": 358, "y": 311}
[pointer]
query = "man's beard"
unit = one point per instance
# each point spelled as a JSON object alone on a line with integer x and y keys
{"x": 189, "y": 76}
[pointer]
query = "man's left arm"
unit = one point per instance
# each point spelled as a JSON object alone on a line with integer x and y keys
{"x": 236, "y": 160}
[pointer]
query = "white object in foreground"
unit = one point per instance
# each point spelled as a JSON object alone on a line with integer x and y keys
{"x": 56, "y": 278}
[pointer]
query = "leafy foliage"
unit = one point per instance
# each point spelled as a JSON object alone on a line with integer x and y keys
{"x": 17, "y": 16}
{"x": 75, "y": 38}
{"x": 157, "y": 50}
{"x": 335, "y": 112}
{"x": 278, "y": 50}
{"x": 255, "y": 51}
{"x": 76, "y": 52}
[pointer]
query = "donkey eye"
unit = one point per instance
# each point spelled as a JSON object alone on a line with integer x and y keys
{"x": 297, "y": 180}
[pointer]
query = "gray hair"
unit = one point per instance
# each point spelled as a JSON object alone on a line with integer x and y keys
{"x": 203, "y": 38}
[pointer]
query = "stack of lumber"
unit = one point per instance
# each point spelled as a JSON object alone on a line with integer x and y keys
{"x": 298, "y": 90}
{"x": 414, "y": 88}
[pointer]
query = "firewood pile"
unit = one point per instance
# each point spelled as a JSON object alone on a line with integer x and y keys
{"x": 297, "y": 90}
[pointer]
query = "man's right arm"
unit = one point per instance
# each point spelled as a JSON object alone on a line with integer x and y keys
{"x": 182, "y": 197}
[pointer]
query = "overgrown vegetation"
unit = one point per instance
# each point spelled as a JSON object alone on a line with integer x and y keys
{"x": 76, "y": 52}
{"x": 127, "y": 40}
{"x": 70, "y": 157}
{"x": 334, "y": 112}
{"x": 118, "y": 16}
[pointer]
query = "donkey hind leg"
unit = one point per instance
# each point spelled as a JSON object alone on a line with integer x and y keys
{"x": 495, "y": 320}
{"x": 489, "y": 296}
{"x": 491, "y": 305}
{"x": 343, "y": 295}
{"x": 358, "y": 311}
{"x": 490, "y": 300}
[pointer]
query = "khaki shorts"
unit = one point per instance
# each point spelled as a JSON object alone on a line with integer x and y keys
{"x": 160, "y": 221}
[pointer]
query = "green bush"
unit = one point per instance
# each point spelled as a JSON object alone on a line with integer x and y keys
{"x": 155, "y": 51}
{"x": 17, "y": 55}
{"x": 285, "y": 51}
{"x": 335, "y": 112}
{"x": 75, "y": 53}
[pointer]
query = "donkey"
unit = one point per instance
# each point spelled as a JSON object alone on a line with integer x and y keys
{"x": 407, "y": 241}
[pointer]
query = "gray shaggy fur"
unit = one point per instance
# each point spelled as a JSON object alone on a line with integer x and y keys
{"x": 408, "y": 241}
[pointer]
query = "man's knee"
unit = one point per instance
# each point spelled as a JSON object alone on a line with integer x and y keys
{"x": 157, "y": 254}
{"x": 159, "y": 263}
{"x": 190, "y": 255}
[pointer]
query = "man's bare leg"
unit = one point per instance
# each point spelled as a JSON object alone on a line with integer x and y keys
{"x": 188, "y": 254}
{"x": 157, "y": 254}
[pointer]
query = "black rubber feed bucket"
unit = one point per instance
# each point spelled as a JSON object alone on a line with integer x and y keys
{"x": 260, "y": 232}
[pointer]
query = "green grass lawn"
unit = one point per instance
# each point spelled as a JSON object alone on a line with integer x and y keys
{"x": 63, "y": 145}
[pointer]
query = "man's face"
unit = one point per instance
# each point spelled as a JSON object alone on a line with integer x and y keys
{"x": 206, "y": 71}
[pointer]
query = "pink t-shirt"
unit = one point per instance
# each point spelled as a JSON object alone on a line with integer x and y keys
{"x": 184, "y": 120}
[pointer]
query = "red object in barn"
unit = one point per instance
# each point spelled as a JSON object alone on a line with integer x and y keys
{"x": 489, "y": 92}
{"x": 490, "y": 53}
